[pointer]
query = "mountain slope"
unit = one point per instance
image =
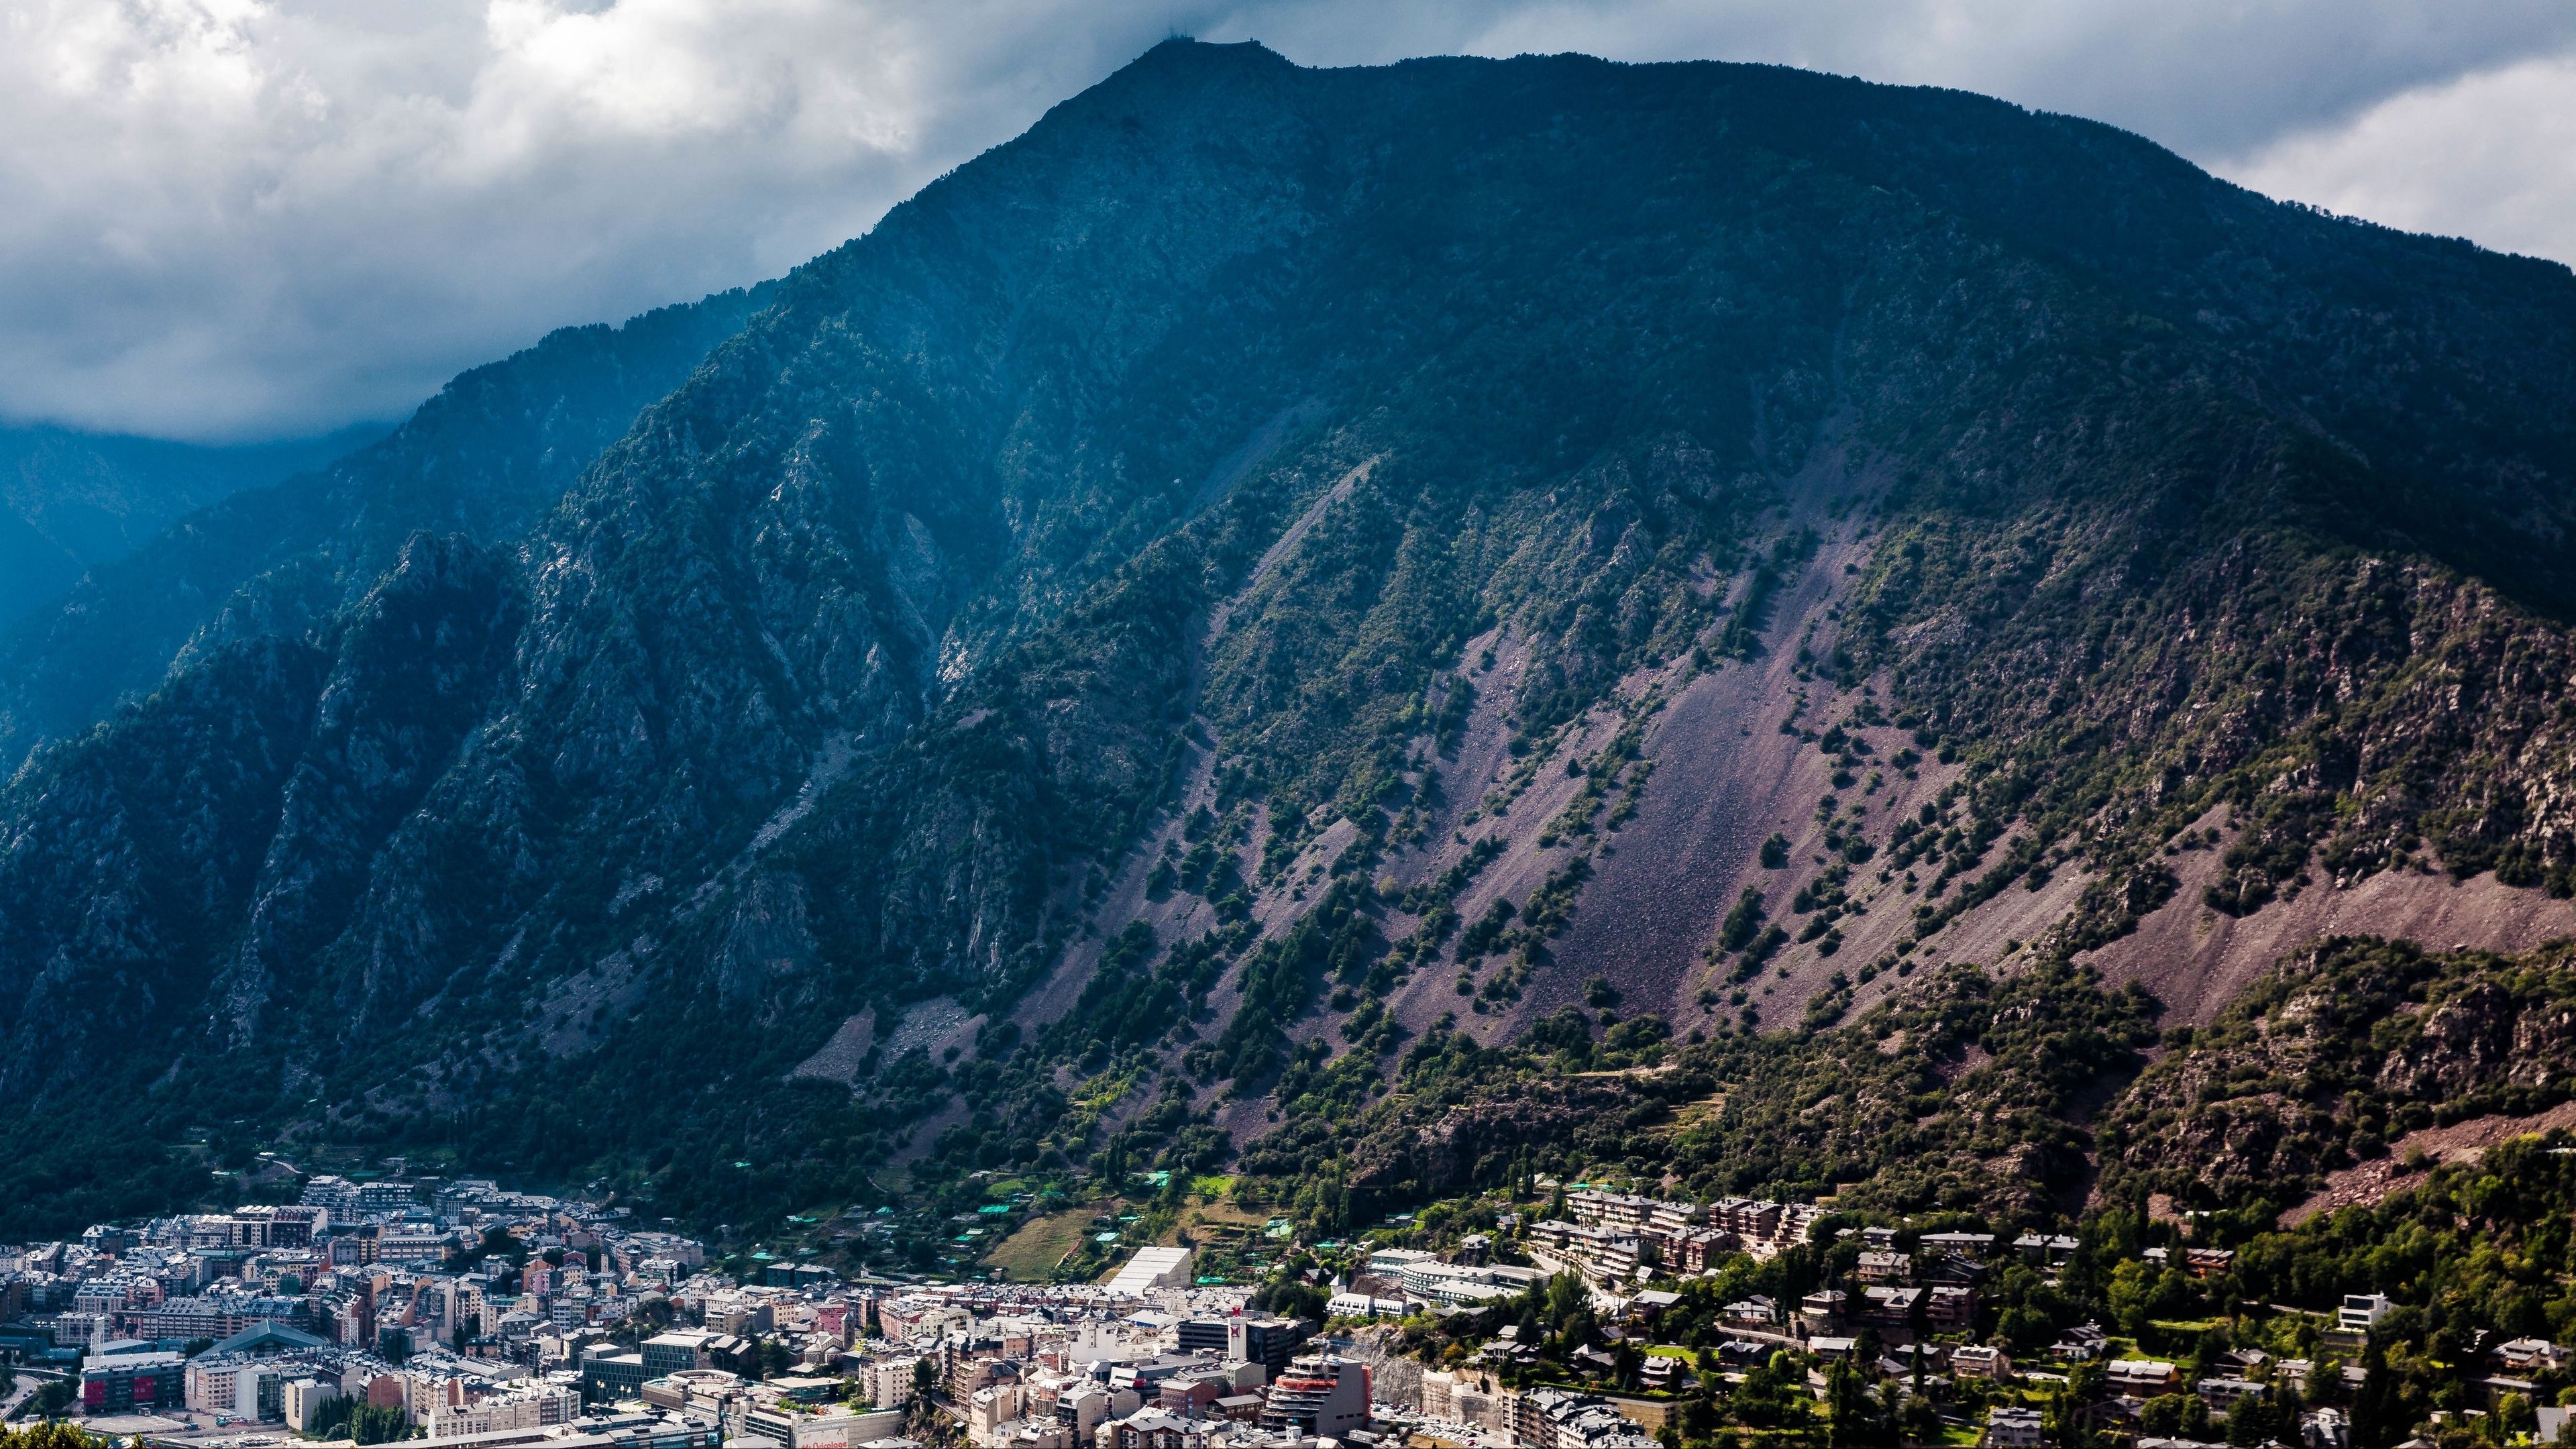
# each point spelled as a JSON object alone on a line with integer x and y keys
{"x": 494, "y": 449}
{"x": 1273, "y": 563}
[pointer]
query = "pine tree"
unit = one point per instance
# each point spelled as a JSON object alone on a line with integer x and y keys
{"x": 2377, "y": 1421}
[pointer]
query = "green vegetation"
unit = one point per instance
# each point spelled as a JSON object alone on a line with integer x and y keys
{"x": 50, "y": 1434}
{"x": 1889, "y": 1111}
{"x": 2330, "y": 1059}
{"x": 1968, "y": 1091}
{"x": 362, "y": 1422}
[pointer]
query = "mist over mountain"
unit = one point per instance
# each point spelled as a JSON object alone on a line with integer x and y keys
{"x": 69, "y": 500}
{"x": 1297, "y": 594}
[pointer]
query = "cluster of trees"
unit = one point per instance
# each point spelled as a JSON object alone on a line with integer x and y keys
{"x": 363, "y": 1422}
{"x": 49, "y": 1434}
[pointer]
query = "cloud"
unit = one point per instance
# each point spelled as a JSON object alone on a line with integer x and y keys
{"x": 2207, "y": 77}
{"x": 235, "y": 218}
{"x": 2491, "y": 157}
{"x": 228, "y": 217}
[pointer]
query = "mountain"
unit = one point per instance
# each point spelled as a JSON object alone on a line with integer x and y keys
{"x": 72, "y": 500}
{"x": 1285, "y": 611}
{"x": 494, "y": 449}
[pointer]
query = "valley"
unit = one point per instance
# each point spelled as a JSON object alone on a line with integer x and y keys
{"x": 1372, "y": 633}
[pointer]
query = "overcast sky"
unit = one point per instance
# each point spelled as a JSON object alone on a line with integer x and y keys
{"x": 253, "y": 218}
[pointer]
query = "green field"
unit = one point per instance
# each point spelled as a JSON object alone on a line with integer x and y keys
{"x": 1030, "y": 1254}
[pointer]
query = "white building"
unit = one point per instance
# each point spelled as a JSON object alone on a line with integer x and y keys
{"x": 534, "y": 1406}
{"x": 2361, "y": 1311}
{"x": 306, "y": 1398}
{"x": 2011, "y": 1429}
{"x": 1152, "y": 1269}
{"x": 824, "y": 1427}
{"x": 891, "y": 1382}
{"x": 1391, "y": 1262}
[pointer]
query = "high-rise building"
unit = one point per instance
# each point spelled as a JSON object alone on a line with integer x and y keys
{"x": 1266, "y": 1341}
{"x": 127, "y": 1382}
{"x": 1319, "y": 1394}
{"x": 335, "y": 1195}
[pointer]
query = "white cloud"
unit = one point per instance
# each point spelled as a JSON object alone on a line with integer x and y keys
{"x": 2490, "y": 156}
{"x": 245, "y": 217}
{"x": 2207, "y": 77}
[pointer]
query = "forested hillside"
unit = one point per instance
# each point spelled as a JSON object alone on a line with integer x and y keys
{"x": 482, "y": 460}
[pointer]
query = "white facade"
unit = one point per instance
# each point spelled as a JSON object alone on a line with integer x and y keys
{"x": 2362, "y": 1310}
{"x": 1152, "y": 1269}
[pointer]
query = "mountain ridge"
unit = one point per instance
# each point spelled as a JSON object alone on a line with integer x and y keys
{"x": 286, "y": 555}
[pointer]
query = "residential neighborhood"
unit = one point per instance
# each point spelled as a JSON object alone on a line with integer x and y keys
{"x": 457, "y": 1313}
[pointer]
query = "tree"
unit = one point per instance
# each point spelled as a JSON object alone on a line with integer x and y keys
{"x": 1291, "y": 1297}
{"x": 2024, "y": 1328}
{"x": 2175, "y": 1416}
{"x": 1772, "y": 1394}
{"x": 50, "y": 1434}
{"x": 2377, "y": 1418}
{"x": 2515, "y": 1416}
{"x": 325, "y": 1420}
{"x": 1569, "y": 1311}
{"x": 1699, "y": 1412}
{"x": 1857, "y": 1417}
{"x": 379, "y": 1423}
{"x": 2269, "y": 1416}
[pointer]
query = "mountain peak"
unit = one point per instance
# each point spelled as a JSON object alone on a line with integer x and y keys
{"x": 1183, "y": 52}
{"x": 1183, "y": 66}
